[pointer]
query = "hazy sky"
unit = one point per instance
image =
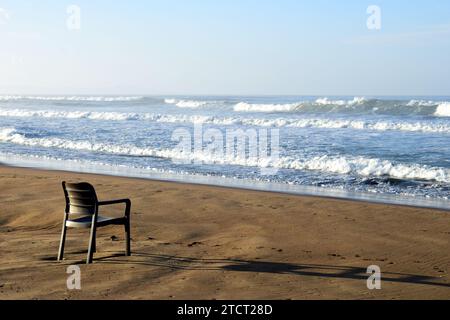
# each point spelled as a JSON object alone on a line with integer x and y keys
{"x": 225, "y": 47}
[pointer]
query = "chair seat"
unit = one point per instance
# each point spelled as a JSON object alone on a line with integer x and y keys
{"x": 86, "y": 221}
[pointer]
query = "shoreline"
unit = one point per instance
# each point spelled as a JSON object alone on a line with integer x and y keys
{"x": 240, "y": 184}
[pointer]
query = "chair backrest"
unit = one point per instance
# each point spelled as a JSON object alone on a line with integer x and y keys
{"x": 81, "y": 198}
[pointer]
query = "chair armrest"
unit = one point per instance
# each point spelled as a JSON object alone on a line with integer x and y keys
{"x": 111, "y": 202}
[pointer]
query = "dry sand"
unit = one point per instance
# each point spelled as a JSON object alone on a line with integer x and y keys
{"x": 201, "y": 242}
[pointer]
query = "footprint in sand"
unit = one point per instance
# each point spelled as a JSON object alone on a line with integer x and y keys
{"x": 333, "y": 255}
{"x": 196, "y": 243}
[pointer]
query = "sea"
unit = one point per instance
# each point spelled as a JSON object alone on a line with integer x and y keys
{"x": 387, "y": 149}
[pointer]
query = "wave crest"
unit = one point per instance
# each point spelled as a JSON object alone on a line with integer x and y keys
{"x": 355, "y": 101}
{"x": 19, "y": 113}
{"x": 368, "y": 167}
{"x": 251, "y": 107}
{"x": 293, "y": 107}
{"x": 192, "y": 104}
{"x": 421, "y": 103}
{"x": 323, "y": 123}
{"x": 443, "y": 110}
{"x": 357, "y": 105}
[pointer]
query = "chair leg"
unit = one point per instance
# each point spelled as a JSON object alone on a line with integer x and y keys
{"x": 128, "y": 238}
{"x": 62, "y": 243}
{"x": 91, "y": 249}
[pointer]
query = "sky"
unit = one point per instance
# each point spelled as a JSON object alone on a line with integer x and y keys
{"x": 225, "y": 47}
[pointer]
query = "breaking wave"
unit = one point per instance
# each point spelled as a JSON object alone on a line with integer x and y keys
{"x": 361, "y": 166}
{"x": 357, "y": 105}
{"x": 421, "y": 103}
{"x": 69, "y": 114}
{"x": 434, "y": 126}
{"x": 443, "y": 110}
{"x": 249, "y": 107}
{"x": 192, "y": 104}
{"x": 355, "y": 101}
{"x": 292, "y": 107}
{"x": 367, "y": 167}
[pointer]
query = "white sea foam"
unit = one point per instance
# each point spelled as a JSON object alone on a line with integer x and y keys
{"x": 443, "y": 110}
{"x": 361, "y": 166}
{"x": 323, "y": 123}
{"x": 72, "y": 98}
{"x": 416, "y": 126}
{"x": 191, "y": 104}
{"x": 326, "y": 101}
{"x": 358, "y": 105}
{"x": 421, "y": 103}
{"x": 9, "y": 135}
{"x": 292, "y": 107}
{"x": 70, "y": 114}
{"x": 367, "y": 167}
{"x": 355, "y": 101}
{"x": 253, "y": 107}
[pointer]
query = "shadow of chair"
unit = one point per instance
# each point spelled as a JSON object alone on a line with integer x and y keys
{"x": 238, "y": 265}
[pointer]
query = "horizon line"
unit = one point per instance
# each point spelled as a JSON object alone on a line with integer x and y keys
{"x": 222, "y": 95}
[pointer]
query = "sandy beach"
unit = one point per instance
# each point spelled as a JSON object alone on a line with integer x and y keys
{"x": 201, "y": 242}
